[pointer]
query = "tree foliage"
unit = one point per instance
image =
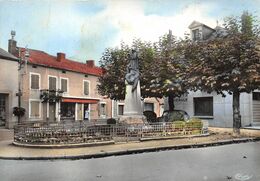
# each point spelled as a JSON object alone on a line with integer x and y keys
{"x": 228, "y": 63}
{"x": 161, "y": 71}
{"x": 114, "y": 62}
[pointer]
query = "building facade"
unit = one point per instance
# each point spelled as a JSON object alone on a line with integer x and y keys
{"x": 213, "y": 107}
{"x": 55, "y": 94}
{"x": 55, "y": 89}
{"x": 8, "y": 88}
{"x": 218, "y": 110}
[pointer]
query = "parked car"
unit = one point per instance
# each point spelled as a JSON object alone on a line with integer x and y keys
{"x": 150, "y": 116}
{"x": 175, "y": 115}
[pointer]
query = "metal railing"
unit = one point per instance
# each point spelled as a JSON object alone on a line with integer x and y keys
{"x": 81, "y": 132}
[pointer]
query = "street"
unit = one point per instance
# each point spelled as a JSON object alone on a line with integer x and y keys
{"x": 229, "y": 162}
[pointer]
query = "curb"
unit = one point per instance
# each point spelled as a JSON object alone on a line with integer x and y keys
{"x": 138, "y": 150}
{"x": 64, "y": 146}
{"x": 173, "y": 137}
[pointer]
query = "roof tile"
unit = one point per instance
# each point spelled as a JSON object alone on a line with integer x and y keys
{"x": 42, "y": 58}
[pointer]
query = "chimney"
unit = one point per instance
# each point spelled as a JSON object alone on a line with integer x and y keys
{"x": 12, "y": 45}
{"x": 60, "y": 57}
{"x": 90, "y": 63}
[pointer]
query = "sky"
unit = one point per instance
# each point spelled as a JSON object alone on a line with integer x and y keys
{"x": 83, "y": 29}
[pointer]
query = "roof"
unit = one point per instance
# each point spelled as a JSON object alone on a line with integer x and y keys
{"x": 219, "y": 32}
{"x": 4, "y": 54}
{"x": 42, "y": 58}
{"x": 196, "y": 24}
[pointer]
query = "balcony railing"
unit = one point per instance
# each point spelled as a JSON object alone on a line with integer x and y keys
{"x": 47, "y": 95}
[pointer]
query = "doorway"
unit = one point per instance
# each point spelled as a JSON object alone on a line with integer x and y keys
{"x": 256, "y": 108}
{"x": 52, "y": 112}
{"x": 86, "y": 112}
{"x": 2, "y": 109}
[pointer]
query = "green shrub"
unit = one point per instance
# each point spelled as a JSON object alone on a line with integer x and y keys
{"x": 195, "y": 123}
{"x": 178, "y": 124}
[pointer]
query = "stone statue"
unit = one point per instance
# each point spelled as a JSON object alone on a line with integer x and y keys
{"x": 132, "y": 74}
{"x": 133, "y": 112}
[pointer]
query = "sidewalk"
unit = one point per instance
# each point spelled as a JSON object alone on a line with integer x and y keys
{"x": 220, "y": 136}
{"x": 6, "y": 134}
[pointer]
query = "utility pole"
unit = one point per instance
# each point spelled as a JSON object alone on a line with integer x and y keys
{"x": 19, "y": 94}
{"x": 22, "y": 64}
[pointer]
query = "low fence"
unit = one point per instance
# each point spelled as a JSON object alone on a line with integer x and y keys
{"x": 81, "y": 132}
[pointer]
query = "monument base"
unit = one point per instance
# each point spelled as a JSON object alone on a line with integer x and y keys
{"x": 133, "y": 120}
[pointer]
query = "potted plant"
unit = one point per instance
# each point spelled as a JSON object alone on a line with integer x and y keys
{"x": 18, "y": 111}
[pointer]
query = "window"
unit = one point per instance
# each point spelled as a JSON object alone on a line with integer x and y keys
{"x": 64, "y": 85}
{"x": 203, "y": 106}
{"x": 102, "y": 109}
{"x": 195, "y": 34}
{"x": 86, "y": 87}
{"x": 67, "y": 110}
{"x": 34, "y": 109}
{"x": 2, "y": 109}
{"x": 52, "y": 83}
{"x": 256, "y": 96}
{"x": 148, "y": 106}
{"x": 35, "y": 81}
{"x": 120, "y": 110}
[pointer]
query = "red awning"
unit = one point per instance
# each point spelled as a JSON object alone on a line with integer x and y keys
{"x": 76, "y": 100}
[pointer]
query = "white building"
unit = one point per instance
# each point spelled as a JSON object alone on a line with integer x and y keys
{"x": 218, "y": 110}
{"x": 212, "y": 107}
{"x": 8, "y": 88}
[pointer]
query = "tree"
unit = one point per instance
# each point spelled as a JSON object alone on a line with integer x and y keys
{"x": 161, "y": 69}
{"x": 228, "y": 63}
{"x": 111, "y": 82}
{"x": 171, "y": 67}
{"x": 114, "y": 62}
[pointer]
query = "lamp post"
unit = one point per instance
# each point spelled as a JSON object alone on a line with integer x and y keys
{"x": 22, "y": 63}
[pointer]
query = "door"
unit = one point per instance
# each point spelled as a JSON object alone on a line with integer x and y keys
{"x": 256, "y": 107}
{"x": 86, "y": 112}
{"x": 79, "y": 111}
{"x": 2, "y": 109}
{"x": 52, "y": 112}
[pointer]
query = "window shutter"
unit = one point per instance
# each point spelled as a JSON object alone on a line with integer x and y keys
{"x": 86, "y": 88}
{"x": 35, "y": 109}
{"x": 106, "y": 110}
{"x": 64, "y": 87}
{"x": 34, "y": 81}
{"x": 99, "y": 109}
{"x": 52, "y": 83}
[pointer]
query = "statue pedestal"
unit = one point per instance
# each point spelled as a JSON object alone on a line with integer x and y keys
{"x": 133, "y": 120}
{"x": 133, "y": 111}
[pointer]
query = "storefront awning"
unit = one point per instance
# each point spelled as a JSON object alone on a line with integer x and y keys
{"x": 77, "y": 100}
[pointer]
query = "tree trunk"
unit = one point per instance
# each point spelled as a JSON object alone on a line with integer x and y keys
{"x": 171, "y": 102}
{"x": 236, "y": 113}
